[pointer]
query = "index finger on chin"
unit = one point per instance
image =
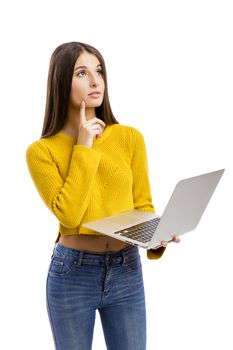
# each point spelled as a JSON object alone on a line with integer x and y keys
{"x": 82, "y": 112}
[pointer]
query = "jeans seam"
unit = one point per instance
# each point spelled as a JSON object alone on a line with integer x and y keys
{"x": 49, "y": 313}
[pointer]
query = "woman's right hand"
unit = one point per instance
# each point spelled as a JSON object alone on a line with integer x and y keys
{"x": 88, "y": 129}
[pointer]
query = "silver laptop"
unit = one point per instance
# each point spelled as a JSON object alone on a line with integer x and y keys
{"x": 181, "y": 215}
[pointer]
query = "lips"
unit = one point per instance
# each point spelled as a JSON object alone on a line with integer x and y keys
{"x": 94, "y": 93}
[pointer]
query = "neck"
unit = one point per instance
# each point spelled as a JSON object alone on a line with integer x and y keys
{"x": 71, "y": 126}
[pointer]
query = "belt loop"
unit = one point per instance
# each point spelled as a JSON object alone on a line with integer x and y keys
{"x": 124, "y": 256}
{"x": 80, "y": 258}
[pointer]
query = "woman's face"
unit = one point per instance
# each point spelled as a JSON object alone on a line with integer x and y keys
{"x": 87, "y": 79}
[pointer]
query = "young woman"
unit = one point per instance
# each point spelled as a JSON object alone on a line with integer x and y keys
{"x": 87, "y": 166}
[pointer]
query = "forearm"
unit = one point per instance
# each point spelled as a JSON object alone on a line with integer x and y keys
{"x": 67, "y": 198}
{"x": 70, "y": 203}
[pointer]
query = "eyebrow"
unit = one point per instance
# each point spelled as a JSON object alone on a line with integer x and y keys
{"x": 99, "y": 65}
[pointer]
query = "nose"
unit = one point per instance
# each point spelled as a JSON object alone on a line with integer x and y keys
{"x": 93, "y": 80}
{"x": 93, "y": 84}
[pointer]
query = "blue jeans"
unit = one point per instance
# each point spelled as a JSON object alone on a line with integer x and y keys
{"x": 81, "y": 282}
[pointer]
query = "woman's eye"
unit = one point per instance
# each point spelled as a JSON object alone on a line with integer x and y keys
{"x": 81, "y": 73}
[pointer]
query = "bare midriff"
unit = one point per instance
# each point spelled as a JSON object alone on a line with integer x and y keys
{"x": 100, "y": 244}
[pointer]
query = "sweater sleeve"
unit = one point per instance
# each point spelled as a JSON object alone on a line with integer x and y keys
{"x": 141, "y": 185}
{"x": 68, "y": 198}
{"x": 139, "y": 165}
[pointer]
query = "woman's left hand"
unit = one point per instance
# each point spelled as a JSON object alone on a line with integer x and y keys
{"x": 175, "y": 239}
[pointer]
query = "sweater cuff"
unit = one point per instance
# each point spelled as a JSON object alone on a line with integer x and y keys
{"x": 153, "y": 254}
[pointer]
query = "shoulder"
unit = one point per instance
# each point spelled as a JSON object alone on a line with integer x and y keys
{"x": 131, "y": 136}
{"x": 127, "y": 130}
{"x": 38, "y": 149}
{"x": 48, "y": 143}
{"x": 36, "y": 146}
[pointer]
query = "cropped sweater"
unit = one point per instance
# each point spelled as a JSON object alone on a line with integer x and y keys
{"x": 81, "y": 184}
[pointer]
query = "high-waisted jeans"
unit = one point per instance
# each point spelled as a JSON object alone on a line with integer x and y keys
{"x": 79, "y": 283}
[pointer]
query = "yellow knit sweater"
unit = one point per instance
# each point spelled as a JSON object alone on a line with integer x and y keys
{"x": 80, "y": 184}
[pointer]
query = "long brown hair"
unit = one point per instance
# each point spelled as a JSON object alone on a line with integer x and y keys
{"x": 59, "y": 85}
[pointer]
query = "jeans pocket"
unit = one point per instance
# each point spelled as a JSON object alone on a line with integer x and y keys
{"x": 61, "y": 266}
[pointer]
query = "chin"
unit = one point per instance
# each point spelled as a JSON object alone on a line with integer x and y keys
{"x": 93, "y": 104}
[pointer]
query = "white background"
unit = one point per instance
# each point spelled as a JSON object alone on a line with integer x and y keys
{"x": 170, "y": 75}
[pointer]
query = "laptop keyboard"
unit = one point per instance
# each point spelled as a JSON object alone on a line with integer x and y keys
{"x": 141, "y": 232}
